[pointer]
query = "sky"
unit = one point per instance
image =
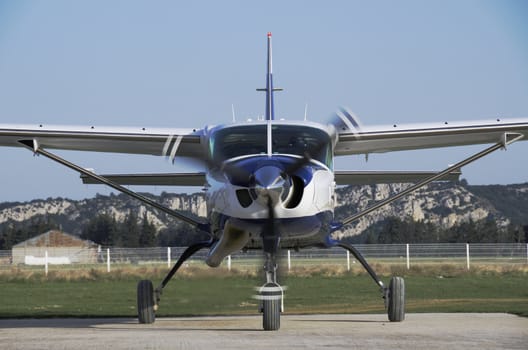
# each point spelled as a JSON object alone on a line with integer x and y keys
{"x": 185, "y": 63}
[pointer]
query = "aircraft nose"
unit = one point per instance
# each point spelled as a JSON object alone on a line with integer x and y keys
{"x": 270, "y": 182}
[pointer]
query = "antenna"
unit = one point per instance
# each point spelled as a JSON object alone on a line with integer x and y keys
{"x": 305, "y": 112}
{"x": 233, "y": 111}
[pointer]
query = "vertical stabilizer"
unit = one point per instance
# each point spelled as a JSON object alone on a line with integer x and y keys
{"x": 269, "y": 90}
{"x": 270, "y": 113}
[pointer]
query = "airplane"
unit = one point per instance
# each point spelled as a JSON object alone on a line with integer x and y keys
{"x": 270, "y": 183}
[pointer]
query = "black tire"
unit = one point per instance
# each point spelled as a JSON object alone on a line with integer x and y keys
{"x": 145, "y": 302}
{"x": 271, "y": 308}
{"x": 396, "y": 307}
{"x": 271, "y": 316}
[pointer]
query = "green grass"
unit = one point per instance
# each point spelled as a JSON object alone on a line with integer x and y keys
{"x": 217, "y": 292}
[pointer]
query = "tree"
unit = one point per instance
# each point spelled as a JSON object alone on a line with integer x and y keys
{"x": 41, "y": 225}
{"x": 147, "y": 236}
{"x": 514, "y": 233}
{"x": 129, "y": 231}
{"x": 395, "y": 230}
{"x": 180, "y": 235}
{"x": 11, "y": 236}
{"x": 16, "y": 233}
{"x": 101, "y": 229}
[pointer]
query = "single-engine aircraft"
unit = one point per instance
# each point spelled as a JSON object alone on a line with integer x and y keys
{"x": 269, "y": 183}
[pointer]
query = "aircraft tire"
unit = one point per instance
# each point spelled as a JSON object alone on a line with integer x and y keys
{"x": 271, "y": 306}
{"x": 396, "y": 307}
{"x": 145, "y": 302}
{"x": 271, "y": 314}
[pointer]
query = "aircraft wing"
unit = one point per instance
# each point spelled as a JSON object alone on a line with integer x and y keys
{"x": 388, "y": 138}
{"x": 153, "y": 141}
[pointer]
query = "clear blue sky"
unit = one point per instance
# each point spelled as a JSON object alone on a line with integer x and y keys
{"x": 182, "y": 64}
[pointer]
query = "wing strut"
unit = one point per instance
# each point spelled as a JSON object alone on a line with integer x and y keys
{"x": 33, "y": 145}
{"x": 507, "y": 139}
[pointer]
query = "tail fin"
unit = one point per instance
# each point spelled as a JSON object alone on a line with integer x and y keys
{"x": 270, "y": 112}
{"x": 270, "y": 109}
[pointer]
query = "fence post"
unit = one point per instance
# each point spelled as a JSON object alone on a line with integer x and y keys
{"x": 348, "y": 260}
{"x": 46, "y": 262}
{"x": 467, "y": 255}
{"x": 408, "y": 256}
{"x": 107, "y": 259}
{"x": 168, "y": 257}
{"x": 229, "y": 262}
{"x": 289, "y": 260}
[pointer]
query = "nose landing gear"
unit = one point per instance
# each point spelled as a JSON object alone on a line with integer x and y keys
{"x": 271, "y": 295}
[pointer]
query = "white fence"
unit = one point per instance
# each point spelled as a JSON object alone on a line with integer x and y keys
{"x": 405, "y": 254}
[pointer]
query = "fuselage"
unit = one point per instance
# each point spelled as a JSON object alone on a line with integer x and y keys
{"x": 266, "y": 171}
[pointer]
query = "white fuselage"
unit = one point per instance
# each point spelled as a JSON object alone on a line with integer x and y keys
{"x": 252, "y": 183}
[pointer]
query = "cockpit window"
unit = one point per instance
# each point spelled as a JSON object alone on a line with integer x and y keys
{"x": 244, "y": 140}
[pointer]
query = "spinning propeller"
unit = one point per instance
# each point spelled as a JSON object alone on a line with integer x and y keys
{"x": 345, "y": 120}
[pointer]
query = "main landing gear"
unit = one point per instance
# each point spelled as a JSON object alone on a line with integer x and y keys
{"x": 271, "y": 294}
{"x": 394, "y": 295}
{"x": 148, "y": 298}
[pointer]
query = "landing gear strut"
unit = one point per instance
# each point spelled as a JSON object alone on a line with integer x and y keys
{"x": 148, "y": 298}
{"x": 394, "y": 295}
{"x": 271, "y": 293}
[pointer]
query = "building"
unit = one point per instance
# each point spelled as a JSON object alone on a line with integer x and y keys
{"x": 62, "y": 248}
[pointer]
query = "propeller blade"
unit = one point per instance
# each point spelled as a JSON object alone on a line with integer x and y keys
{"x": 346, "y": 120}
{"x": 269, "y": 234}
{"x": 307, "y": 156}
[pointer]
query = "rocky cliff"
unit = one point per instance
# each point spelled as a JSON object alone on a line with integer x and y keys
{"x": 444, "y": 204}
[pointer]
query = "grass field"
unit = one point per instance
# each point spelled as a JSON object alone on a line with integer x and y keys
{"x": 199, "y": 291}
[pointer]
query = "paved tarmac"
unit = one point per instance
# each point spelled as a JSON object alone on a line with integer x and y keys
{"x": 418, "y": 331}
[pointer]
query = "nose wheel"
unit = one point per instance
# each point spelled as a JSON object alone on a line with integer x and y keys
{"x": 271, "y": 295}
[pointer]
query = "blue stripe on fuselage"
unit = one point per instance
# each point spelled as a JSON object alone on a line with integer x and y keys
{"x": 250, "y": 165}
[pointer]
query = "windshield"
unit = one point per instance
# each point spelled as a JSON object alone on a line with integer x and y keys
{"x": 245, "y": 140}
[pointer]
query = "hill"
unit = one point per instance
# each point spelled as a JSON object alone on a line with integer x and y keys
{"x": 443, "y": 205}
